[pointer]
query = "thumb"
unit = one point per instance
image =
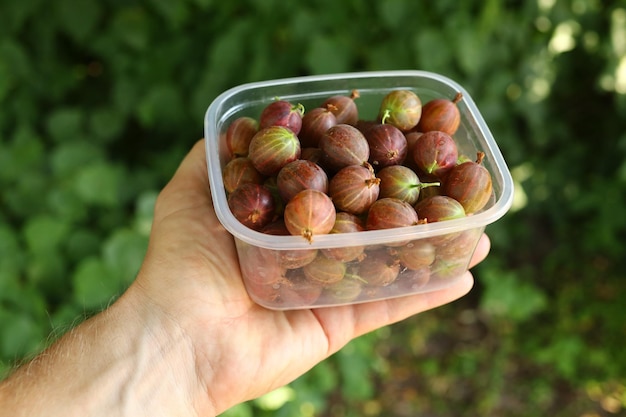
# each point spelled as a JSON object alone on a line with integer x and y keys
{"x": 189, "y": 187}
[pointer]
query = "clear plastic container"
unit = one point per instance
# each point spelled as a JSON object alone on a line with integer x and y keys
{"x": 262, "y": 257}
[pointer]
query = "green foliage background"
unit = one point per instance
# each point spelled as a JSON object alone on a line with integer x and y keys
{"x": 101, "y": 99}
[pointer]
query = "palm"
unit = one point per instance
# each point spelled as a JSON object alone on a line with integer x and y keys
{"x": 253, "y": 349}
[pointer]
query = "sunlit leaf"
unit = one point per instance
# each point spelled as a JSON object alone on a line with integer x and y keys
{"x": 325, "y": 376}
{"x": 144, "y": 212}
{"x": 508, "y": 297}
{"x": 356, "y": 373}
{"x": 275, "y": 399}
{"x": 239, "y": 410}
{"x": 564, "y": 353}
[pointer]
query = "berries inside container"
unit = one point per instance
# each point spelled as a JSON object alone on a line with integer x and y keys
{"x": 351, "y": 188}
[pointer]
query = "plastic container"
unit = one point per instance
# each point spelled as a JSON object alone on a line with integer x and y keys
{"x": 262, "y": 256}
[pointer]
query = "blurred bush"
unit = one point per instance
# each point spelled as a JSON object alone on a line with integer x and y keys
{"x": 101, "y": 99}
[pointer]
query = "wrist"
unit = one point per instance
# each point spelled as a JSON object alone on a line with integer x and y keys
{"x": 130, "y": 360}
{"x": 162, "y": 378}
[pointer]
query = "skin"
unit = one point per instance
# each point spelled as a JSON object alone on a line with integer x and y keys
{"x": 185, "y": 339}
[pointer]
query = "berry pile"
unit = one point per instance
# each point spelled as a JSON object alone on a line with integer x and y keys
{"x": 325, "y": 170}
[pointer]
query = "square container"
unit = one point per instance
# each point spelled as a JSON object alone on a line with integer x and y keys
{"x": 451, "y": 243}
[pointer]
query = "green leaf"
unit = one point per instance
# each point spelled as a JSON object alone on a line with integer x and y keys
{"x": 11, "y": 262}
{"x": 82, "y": 243}
{"x": 106, "y": 123}
{"x": 470, "y": 48}
{"x": 432, "y": 50}
{"x": 65, "y": 124}
{"x": 222, "y": 58}
{"x": 20, "y": 334}
{"x": 275, "y": 399}
{"x": 16, "y": 13}
{"x": 174, "y": 12}
{"x": 78, "y": 18}
{"x": 99, "y": 184}
{"x": 239, "y": 410}
{"x": 507, "y": 296}
{"x": 65, "y": 318}
{"x": 388, "y": 57}
{"x": 132, "y": 27}
{"x": 66, "y": 204}
{"x": 94, "y": 284}
{"x": 27, "y": 192}
{"x": 125, "y": 95}
{"x": 144, "y": 212}
{"x": 325, "y": 55}
{"x": 5, "y": 369}
{"x": 355, "y": 368}
{"x": 9, "y": 280}
{"x": 45, "y": 233}
{"x": 203, "y": 4}
{"x": 9, "y": 246}
{"x": 162, "y": 104}
{"x": 392, "y": 12}
{"x": 15, "y": 59}
{"x": 325, "y": 377}
{"x": 564, "y": 354}
{"x": 68, "y": 158}
{"x": 25, "y": 154}
{"x": 123, "y": 254}
{"x": 7, "y": 80}
{"x": 47, "y": 272}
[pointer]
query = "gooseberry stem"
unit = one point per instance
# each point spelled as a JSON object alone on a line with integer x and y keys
{"x": 422, "y": 185}
{"x": 386, "y": 115}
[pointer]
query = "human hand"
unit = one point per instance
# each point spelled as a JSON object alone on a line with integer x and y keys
{"x": 239, "y": 350}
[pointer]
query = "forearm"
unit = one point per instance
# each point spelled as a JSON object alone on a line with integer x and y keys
{"x": 122, "y": 362}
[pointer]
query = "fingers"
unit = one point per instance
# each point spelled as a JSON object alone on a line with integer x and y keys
{"x": 194, "y": 164}
{"x": 481, "y": 252}
{"x": 370, "y": 316}
{"x": 342, "y": 324}
{"x": 184, "y": 219}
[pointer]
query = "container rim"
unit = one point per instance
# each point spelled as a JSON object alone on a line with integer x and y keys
{"x": 370, "y": 237}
